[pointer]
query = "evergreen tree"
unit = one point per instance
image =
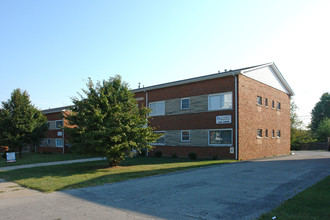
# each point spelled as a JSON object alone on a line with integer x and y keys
{"x": 320, "y": 111}
{"x": 20, "y": 122}
{"x": 108, "y": 123}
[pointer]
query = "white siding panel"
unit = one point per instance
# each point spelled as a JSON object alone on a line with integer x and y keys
{"x": 266, "y": 76}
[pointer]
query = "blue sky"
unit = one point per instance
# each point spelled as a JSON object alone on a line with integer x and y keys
{"x": 50, "y": 48}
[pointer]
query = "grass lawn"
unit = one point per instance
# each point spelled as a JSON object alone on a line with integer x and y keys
{"x": 29, "y": 158}
{"x": 61, "y": 177}
{"x": 312, "y": 203}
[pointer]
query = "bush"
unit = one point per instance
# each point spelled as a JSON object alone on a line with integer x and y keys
{"x": 158, "y": 153}
{"x": 192, "y": 155}
{"x": 215, "y": 157}
{"x": 174, "y": 156}
{"x": 143, "y": 153}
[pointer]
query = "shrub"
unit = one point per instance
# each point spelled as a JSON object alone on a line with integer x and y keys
{"x": 143, "y": 153}
{"x": 158, "y": 153}
{"x": 192, "y": 155}
{"x": 215, "y": 157}
{"x": 174, "y": 156}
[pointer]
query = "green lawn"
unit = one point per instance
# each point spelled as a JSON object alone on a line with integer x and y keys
{"x": 313, "y": 203}
{"x": 60, "y": 177}
{"x": 29, "y": 158}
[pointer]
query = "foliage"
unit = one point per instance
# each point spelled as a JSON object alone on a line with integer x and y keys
{"x": 20, "y": 122}
{"x": 192, "y": 155}
{"x": 323, "y": 131}
{"x": 107, "y": 122}
{"x": 320, "y": 111}
{"x": 299, "y": 137}
{"x": 158, "y": 153}
{"x": 295, "y": 122}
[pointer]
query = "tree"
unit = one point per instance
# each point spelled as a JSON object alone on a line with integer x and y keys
{"x": 295, "y": 122}
{"x": 320, "y": 111}
{"x": 299, "y": 136}
{"x": 323, "y": 131}
{"x": 20, "y": 122}
{"x": 108, "y": 123}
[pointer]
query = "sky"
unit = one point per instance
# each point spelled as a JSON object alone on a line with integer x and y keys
{"x": 50, "y": 48}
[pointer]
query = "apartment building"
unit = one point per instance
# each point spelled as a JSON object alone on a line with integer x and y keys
{"x": 54, "y": 140}
{"x": 236, "y": 114}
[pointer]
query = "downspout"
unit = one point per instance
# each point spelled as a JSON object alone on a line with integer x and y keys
{"x": 147, "y": 153}
{"x": 236, "y": 130}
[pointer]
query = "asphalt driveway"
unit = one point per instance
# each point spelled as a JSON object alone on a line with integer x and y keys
{"x": 242, "y": 190}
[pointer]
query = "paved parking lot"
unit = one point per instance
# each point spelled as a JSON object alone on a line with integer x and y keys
{"x": 242, "y": 190}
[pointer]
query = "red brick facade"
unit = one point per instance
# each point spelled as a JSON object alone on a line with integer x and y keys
{"x": 253, "y": 117}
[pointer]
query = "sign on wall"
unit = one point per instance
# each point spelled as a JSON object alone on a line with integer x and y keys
{"x": 223, "y": 119}
{"x": 11, "y": 157}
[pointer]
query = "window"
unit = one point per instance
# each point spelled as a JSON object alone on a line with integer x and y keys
{"x": 220, "y": 101}
{"x": 59, "y": 124}
{"x": 266, "y": 133}
{"x": 48, "y": 141}
{"x": 278, "y": 133}
{"x": 59, "y": 142}
{"x": 161, "y": 139}
{"x": 266, "y": 102}
{"x": 259, "y": 133}
{"x": 273, "y": 104}
{"x": 48, "y": 124}
{"x": 273, "y": 133}
{"x": 157, "y": 108}
{"x": 185, "y": 136}
{"x": 185, "y": 103}
{"x": 259, "y": 100}
{"x": 221, "y": 137}
{"x": 278, "y": 106}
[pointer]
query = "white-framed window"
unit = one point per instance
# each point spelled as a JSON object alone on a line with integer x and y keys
{"x": 220, "y": 137}
{"x": 278, "y": 133}
{"x": 259, "y": 100}
{"x": 259, "y": 133}
{"x": 161, "y": 139}
{"x": 48, "y": 124}
{"x": 185, "y": 103}
{"x": 48, "y": 141}
{"x": 59, "y": 142}
{"x": 59, "y": 124}
{"x": 273, "y": 104}
{"x": 273, "y": 134}
{"x": 220, "y": 101}
{"x": 278, "y": 106}
{"x": 266, "y": 133}
{"x": 157, "y": 108}
{"x": 185, "y": 136}
{"x": 266, "y": 102}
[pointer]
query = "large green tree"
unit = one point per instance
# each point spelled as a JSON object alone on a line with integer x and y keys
{"x": 106, "y": 121}
{"x": 322, "y": 133}
{"x": 20, "y": 122}
{"x": 320, "y": 111}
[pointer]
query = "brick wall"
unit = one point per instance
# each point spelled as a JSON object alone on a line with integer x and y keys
{"x": 253, "y": 117}
{"x": 194, "y": 119}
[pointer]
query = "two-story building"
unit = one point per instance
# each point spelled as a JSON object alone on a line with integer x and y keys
{"x": 236, "y": 114}
{"x": 54, "y": 140}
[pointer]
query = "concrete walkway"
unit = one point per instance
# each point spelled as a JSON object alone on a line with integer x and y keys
{"x": 49, "y": 163}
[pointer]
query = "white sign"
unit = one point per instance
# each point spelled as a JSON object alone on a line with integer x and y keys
{"x": 231, "y": 150}
{"x": 11, "y": 157}
{"x": 223, "y": 119}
